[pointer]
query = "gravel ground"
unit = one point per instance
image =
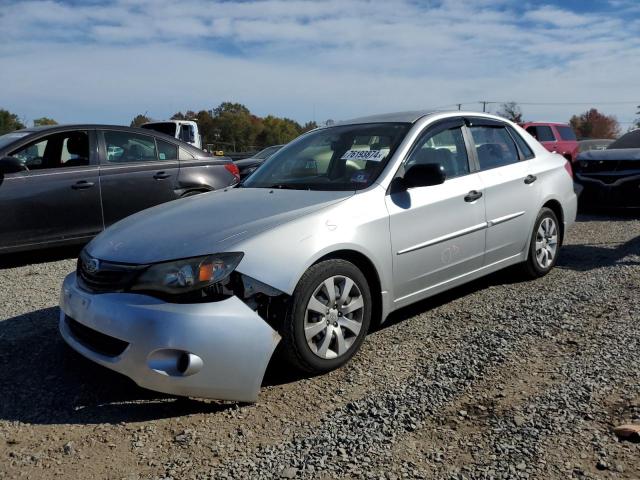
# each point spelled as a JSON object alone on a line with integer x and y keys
{"x": 497, "y": 379}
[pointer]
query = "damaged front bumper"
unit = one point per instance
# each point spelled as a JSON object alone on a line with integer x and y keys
{"x": 213, "y": 350}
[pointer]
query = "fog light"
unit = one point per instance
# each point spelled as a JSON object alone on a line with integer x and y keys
{"x": 174, "y": 363}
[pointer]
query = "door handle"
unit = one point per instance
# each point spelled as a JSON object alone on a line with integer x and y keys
{"x": 82, "y": 184}
{"x": 472, "y": 196}
{"x": 529, "y": 179}
{"x": 161, "y": 175}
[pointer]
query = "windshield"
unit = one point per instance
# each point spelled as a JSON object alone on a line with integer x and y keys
{"x": 168, "y": 128}
{"x": 628, "y": 140}
{"x": 348, "y": 157}
{"x": 7, "y": 138}
{"x": 267, "y": 152}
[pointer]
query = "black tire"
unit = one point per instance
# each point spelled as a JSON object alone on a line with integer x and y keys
{"x": 294, "y": 348}
{"x": 532, "y": 268}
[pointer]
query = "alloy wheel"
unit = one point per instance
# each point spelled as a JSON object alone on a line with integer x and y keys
{"x": 333, "y": 318}
{"x": 546, "y": 242}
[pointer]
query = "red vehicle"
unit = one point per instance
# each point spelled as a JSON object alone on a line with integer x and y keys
{"x": 555, "y": 137}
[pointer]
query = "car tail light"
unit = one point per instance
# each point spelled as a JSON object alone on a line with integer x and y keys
{"x": 233, "y": 169}
{"x": 568, "y": 168}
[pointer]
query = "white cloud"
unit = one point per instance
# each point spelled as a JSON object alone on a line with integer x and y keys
{"x": 558, "y": 17}
{"x": 341, "y": 58}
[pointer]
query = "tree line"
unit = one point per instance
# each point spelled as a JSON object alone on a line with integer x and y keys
{"x": 232, "y": 127}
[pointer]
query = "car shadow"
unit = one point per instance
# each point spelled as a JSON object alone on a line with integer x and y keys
{"x": 21, "y": 259}
{"x": 43, "y": 381}
{"x": 585, "y": 257}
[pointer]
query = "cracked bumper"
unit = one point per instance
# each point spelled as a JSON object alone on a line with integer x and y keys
{"x": 232, "y": 343}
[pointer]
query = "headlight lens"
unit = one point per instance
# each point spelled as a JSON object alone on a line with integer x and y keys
{"x": 190, "y": 274}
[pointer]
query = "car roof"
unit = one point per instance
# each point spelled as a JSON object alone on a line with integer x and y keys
{"x": 395, "y": 117}
{"x": 415, "y": 115}
{"x": 560, "y": 124}
{"x": 79, "y": 126}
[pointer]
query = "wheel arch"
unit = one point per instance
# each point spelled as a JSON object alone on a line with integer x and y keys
{"x": 369, "y": 270}
{"x": 556, "y": 207}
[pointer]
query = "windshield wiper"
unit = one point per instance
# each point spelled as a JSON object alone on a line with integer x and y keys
{"x": 287, "y": 186}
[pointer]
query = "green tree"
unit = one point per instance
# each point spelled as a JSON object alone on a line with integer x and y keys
{"x": 309, "y": 126}
{"x": 230, "y": 107}
{"x": 42, "y": 121}
{"x": 511, "y": 111}
{"x": 139, "y": 120}
{"x": 593, "y": 124}
{"x": 278, "y": 130}
{"x": 9, "y": 122}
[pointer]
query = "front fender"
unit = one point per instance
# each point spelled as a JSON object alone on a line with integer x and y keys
{"x": 280, "y": 256}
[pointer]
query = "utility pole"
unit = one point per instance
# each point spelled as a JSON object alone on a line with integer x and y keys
{"x": 484, "y": 105}
{"x": 459, "y": 106}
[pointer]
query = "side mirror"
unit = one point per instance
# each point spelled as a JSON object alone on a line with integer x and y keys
{"x": 12, "y": 165}
{"x": 424, "y": 175}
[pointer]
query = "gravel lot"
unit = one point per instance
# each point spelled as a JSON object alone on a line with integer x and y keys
{"x": 497, "y": 379}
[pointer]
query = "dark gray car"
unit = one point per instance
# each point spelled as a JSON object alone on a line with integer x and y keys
{"x": 65, "y": 184}
{"x": 248, "y": 165}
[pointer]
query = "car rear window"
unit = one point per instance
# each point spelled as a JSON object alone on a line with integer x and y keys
{"x": 168, "y": 128}
{"x": 566, "y": 133}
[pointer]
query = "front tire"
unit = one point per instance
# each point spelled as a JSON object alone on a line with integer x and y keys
{"x": 544, "y": 245}
{"x": 328, "y": 317}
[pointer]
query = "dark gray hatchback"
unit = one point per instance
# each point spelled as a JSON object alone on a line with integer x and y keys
{"x": 65, "y": 184}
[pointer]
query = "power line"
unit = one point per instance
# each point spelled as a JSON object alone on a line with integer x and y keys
{"x": 484, "y": 102}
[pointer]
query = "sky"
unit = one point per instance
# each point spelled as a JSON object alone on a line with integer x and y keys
{"x": 106, "y": 61}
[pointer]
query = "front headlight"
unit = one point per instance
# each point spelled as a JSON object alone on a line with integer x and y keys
{"x": 188, "y": 275}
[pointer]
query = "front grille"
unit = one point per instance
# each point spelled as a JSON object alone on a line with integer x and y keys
{"x": 94, "y": 340}
{"x": 107, "y": 277}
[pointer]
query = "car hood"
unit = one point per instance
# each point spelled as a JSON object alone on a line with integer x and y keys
{"x": 203, "y": 224}
{"x": 611, "y": 155}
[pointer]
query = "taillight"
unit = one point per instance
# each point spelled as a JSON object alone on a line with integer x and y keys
{"x": 568, "y": 168}
{"x": 233, "y": 169}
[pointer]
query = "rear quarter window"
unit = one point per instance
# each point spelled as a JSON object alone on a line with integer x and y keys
{"x": 185, "y": 155}
{"x": 523, "y": 146}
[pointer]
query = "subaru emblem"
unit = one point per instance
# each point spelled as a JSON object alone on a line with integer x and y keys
{"x": 92, "y": 265}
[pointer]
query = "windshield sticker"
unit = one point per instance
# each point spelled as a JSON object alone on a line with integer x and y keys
{"x": 360, "y": 177}
{"x": 369, "y": 155}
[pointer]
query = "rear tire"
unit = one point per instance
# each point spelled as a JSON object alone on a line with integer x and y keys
{"x": 327, "y": 318}
{"x": 544, "y": 245}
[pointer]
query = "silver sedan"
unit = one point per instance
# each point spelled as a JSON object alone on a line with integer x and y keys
{"x": 330, "y": 235}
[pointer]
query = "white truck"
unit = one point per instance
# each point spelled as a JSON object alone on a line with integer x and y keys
{"x": 185, "y": 130}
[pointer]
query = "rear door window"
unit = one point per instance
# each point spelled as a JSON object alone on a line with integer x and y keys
{"x": 494, "y": 146}
{"x": 542, "y": 133}
{"x": 126, "y": 147}
{"x": 166, "y": 150}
